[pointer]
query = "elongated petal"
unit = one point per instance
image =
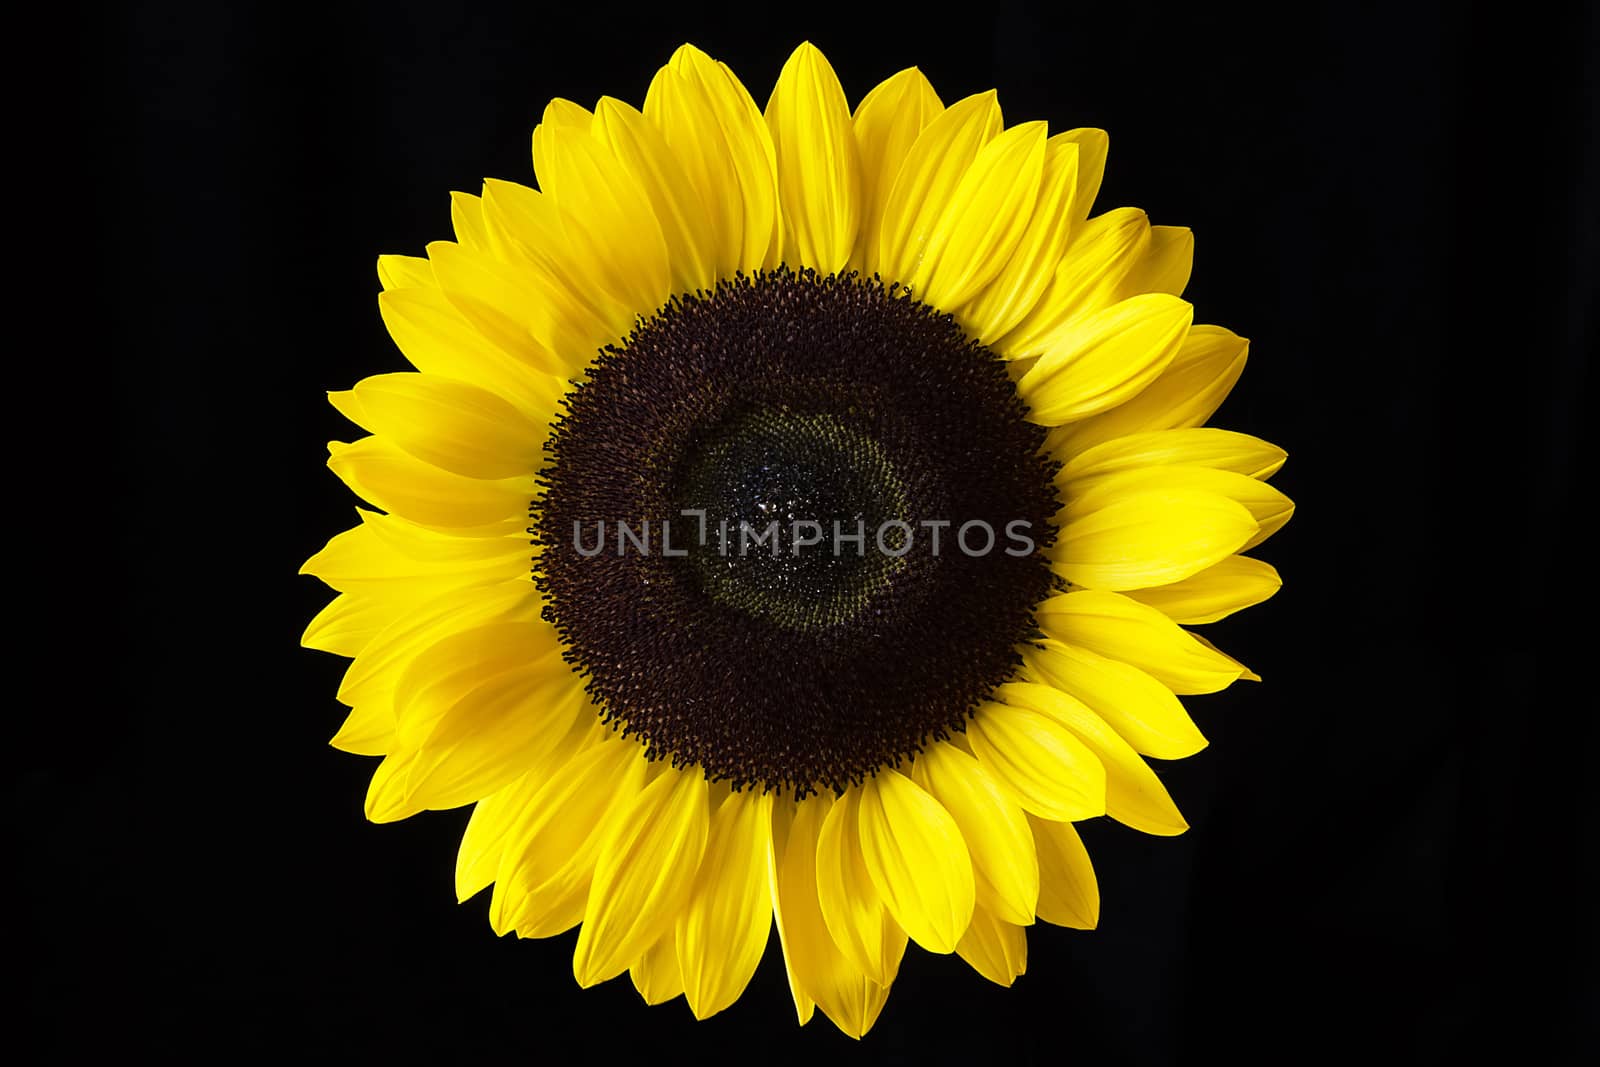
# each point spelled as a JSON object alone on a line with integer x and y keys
{"x": 686, "y": 225}
{"x": 855, "y": 914}
{"x": 996, "y": 949}
{"x": 509, "y": 305}
{"x": 609, "y": 210}
{"x": 1269, "y": 509}
{"x": 1088, "y": 278}
{"x": 382, "y": 474}
{"x": 466, "y": 219}
{"x": 440, "y": 676}
{"x": 656, "y": 974}
{"x": 1165, "y": 265}
{"x": 1105, "y": 359}
{"x": 1193, "y": 386}
{"x": 722, "y": 931}
{"x": 404, "y": 272}
{"x": 547, "y": 866}
{"x": 1138, "y": 707}
{"x": 917, "y": 858}
{"x": 994, "y": 827}
{"x": 1007, "y": 299}
{"x": 1145, "y": 538}
{"x": 644, "y": 874}
{"x": 984, "y": 220}
{"x": 818, "y": 970}
{"x": 928, "y": 179}
{"x": 1215, "y": 593}
{"x": 886, "y": 124}
{"x": 1197, "y": 447}
{"x": 1069, "y": 894}
{"x": 1134, "y": 795}
{"x": 387, "y": 557}
{"x": 457, "y": 427}
{"x": 1093, "y": 147}
{"x": 347, "y": 624}
{"x": 819, "y": 172}
{"x": 1046, "y": 769}
{"x": 1120, "y": 628}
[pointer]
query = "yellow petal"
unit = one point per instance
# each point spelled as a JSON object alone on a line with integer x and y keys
{"x": 644, "y": 874}
{"x": 457, "y": 427}
{"x": 386, "y": 556}
{"x": 996, "y": 949}
{"x": 1187, "y": 392}
{"x": 1121, "y": 628}
{"x": 367, "y": 731}
{"x": 1138, "y": 539}
{"x": 985, "y": 218}
{"x": 994, "y": 826}
{"x": 404, "y": 272}
{"x": 441, "y": 675}
{"x": 431, "y": 333}
{"x": 1165, "y": 265}
{"x": 620, "y": 237}
{"x": 856, "y": 916}
{"x": 546, "y": 866}
{"x": 347, "y": 624}
{"x": 928, "y": 179}
{"x": 1093, "y": 146}
{"x": 886, "y": 125}
{"x": 708, "y": 118}
{"x": 1134, "y": 795}
{"x": 818, "y": 971}
{"x": 1007, "y": 299}
{"x": 1089, "y": 278}
{"x": 918, "y": 860}
{"x": 1215, "y": 593}
{"x": 466, "y": 219}
{"x": 1197, "y": 447}
{"x": 1269, "y": 509}
{"x": 1105, "y": 358}
{"x": 1044, "y": 767}
{"x": 1069, "y": 894}
{"x": 656, "y": 974}
{"x": 685, "y": 223}
{"x": 1140, "y": 708}
{"x": 722, "y": 932}
{"x": 819, "y": 173}
{"x": 382, "y": 474}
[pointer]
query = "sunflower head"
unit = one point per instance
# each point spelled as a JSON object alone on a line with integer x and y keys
{"x": 793, "y": 516}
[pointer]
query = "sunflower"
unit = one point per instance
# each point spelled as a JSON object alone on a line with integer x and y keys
{"x": 793, "y": 519}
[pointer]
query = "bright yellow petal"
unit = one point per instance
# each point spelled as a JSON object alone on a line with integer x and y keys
{"x": 1093, "y": 147}
{"x": 928, "y": 180}
{"x": 620, "y": 237}
{"x": 722, "y": 931}
{"x": 917, "y": 858}
{"x": 466, "y": 219}
{"x": 547, "y": 866}
{"x": 994, "y": 827}
{"x": 507, "y": 305}
{"x": 347, "y": 624}
{"x": 984, "y": 220}
{"x": 644, "y": 874}
{"x": 1187, "y": 392}
{"x": 1269, "y": 508}
{"x": 1134, "y": 795}
{"x": 404, "y": 272}
{"x": 886, "y": 124}
{"x": 1105, "y": 359}
{"x": 1044, "y": 767}
{"x": 1197, "y": 447}
{"x": 1143, "y": 538}
{"x": 855, "y": 914}
{"x": 1069, "y": 894}
{"x": 819, "y": 173}
{"x": 386, "y": 558}
{"x": 1165, "y": 265}
{"x": 1141, "y": 709}
{"x": 818, "y": 971}
{"x": 457, "y": 427}
{"x": 1089, "y": 278}
{"x": 996, "y": 949}
{"x": 1007, "y": 299}
{"x": 1121, "y": 628}
{"x": 1215, "y": 593}
{"x": 685, "y": 223}
{"x": 379, "y": 472}
{"x": 656, "y": 974}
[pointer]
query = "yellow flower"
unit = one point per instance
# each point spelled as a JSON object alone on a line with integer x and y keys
{"x": 793, "y": 516}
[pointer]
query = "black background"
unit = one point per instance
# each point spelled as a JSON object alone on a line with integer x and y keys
{"x": 1389, "y": 855}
